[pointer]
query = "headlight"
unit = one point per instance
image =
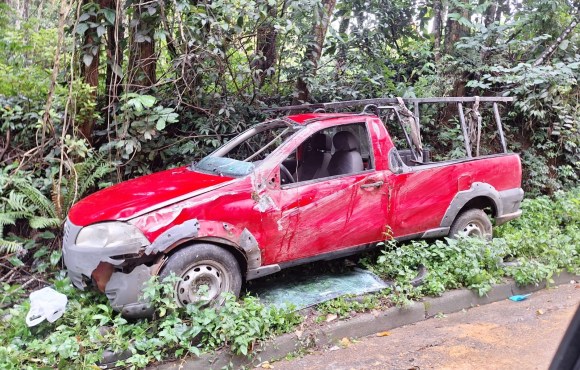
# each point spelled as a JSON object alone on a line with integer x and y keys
{"x": 111, "y": 234}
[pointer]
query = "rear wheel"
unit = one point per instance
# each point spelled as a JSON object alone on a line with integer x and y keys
{"x": 473, "y": 222}
{"x": 206, "y": 271}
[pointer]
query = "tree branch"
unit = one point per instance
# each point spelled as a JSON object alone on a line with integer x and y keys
{"x": 549, "y": 51}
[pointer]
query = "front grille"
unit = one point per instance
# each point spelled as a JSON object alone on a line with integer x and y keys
{"x": 66, "y": 232}
{"x": 70, "y": 233}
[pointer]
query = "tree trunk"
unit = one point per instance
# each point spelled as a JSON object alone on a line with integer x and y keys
{"x": 314, "y": 52}
{"x": 489, "y": 16}
{"x": 90, "y": 55}
{"x": 503, "y": 10}
{"x": 46, "y": 119}
{"x": 266, "y": 46}
{"x": 342, "y": 49}
{"x": 454, "y": 30}
{"x": 114, "y": 77}
{"x": 437, "y": 24}
{"x": 142, "y": 58}
{"x": 25, "y": 9}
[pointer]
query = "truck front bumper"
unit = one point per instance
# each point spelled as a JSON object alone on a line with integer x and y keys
{"x": 103, "y": 268}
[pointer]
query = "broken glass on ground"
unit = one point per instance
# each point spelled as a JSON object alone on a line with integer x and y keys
{"x": 309, "y": 290}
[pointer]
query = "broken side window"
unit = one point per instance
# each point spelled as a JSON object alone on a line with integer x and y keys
{"x": 318, "y": 156}
{"x": 239, "y": 156}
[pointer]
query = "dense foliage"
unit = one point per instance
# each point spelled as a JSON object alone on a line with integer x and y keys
{"x": 145, "y": 85}
{"x": 93, "y": 92}
{"x": 89, "y": 327}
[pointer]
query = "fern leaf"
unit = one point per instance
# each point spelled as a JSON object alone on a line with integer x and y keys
{"x": 16, "y": 215}
{"x": 8, "y": 247}
{"x": 38, "y": 199}
{"x": 94, "y": 176}
{"x": 17, "y": 202}
{"x": 44, "y": 222}
{"x": 84, "y": 176}
{"x": 7, "y": 219}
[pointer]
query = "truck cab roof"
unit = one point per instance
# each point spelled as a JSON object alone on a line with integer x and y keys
{"x": 306, "y": 118}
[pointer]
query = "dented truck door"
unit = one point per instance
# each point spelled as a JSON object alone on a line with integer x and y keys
{"x": 339, "y": 213}
{"x": 336, "y": 212}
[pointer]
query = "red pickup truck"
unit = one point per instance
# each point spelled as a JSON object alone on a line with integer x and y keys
{"x": 288, "y": 191}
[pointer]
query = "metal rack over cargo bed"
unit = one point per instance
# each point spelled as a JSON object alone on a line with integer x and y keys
{"x": 412, "y": 118}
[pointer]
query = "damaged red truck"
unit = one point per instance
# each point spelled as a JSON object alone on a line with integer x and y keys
{"x": 288, "y": 191}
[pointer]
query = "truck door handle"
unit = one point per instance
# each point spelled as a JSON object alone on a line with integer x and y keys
{"x": 377, "y": 184}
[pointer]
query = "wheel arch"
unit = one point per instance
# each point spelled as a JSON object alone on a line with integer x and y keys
{"x": 240, "y": 242}
{"x": 482, "y": 202}
{"x": 480, "y": 196}
{"x": 228, "y": 245}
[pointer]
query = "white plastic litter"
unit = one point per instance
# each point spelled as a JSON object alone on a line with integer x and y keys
{"x": 45, "y": 303}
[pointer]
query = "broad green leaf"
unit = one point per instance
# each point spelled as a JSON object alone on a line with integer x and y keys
{"x": 109, "y": 15}
{"x": 83, "y": 17}
{"x": 82, "y": 28}
{"x": 147, "y": 100}
{"x": 101, "y": 30}
{"x": 55, "y": 257}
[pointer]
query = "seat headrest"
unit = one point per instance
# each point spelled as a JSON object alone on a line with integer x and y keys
{"x": 345, "y": 141}
{"x": 321, "y": 142}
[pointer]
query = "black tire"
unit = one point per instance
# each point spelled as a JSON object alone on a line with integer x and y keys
{"x": 473, "y": 222}
{"x": 203, "y": 264}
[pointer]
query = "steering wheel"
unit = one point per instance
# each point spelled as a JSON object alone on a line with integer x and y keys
{"x": 286, "y": 177}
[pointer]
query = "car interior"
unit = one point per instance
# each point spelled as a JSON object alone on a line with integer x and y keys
{"x": 330, "y": 152}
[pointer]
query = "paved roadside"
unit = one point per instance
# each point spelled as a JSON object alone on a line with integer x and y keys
{"x": 501, "y": 335}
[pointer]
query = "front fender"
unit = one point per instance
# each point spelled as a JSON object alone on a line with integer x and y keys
{"x": 222, "y": 232}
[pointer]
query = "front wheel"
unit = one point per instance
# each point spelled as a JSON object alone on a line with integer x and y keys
{"x": 206, "y": 271}
{"x": 473, "y": 222}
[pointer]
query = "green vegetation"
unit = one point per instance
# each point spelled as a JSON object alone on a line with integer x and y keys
{"x": 543, "y": 242}
{"x": 89, "y": 327}
{"x": 94, "y": 92}
{"x": 142, "y": 86}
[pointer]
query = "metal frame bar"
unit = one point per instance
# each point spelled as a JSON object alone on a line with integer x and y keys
{"x": 417, "y": 114}
{"x": 386, "y": 101}
{"x": 414, "y": 151}
{"x": 499, "y": 127}
{"x": 464, "y": 130}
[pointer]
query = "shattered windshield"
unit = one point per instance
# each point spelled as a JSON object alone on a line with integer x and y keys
{"x": 239, "y": 156}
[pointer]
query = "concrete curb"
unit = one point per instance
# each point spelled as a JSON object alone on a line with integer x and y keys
{"x": 363, "y": 325}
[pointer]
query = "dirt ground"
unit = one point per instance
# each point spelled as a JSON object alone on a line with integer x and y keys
{"x": 501, "y": 335}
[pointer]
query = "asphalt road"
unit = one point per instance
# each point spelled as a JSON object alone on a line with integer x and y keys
{"x": 501, "y": 335}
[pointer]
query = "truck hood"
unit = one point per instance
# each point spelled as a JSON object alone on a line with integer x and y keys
{"x": 126, "y": 199}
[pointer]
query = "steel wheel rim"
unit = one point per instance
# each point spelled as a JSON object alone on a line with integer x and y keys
{"x": 203, "y": 273}
{"x": 474, "y": 228}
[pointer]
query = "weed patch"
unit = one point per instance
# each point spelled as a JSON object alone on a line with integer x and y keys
{"x": 545, "y": 240}
{"x": 89, "y": 326}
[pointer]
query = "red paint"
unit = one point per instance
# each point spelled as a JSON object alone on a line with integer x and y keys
{"x": 305, "y": 219}
{"x": 127, "y": 198}
{"x": 306, "y": 117}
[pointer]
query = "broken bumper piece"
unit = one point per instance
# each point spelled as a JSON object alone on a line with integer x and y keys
{"x": 86, "y": 249}
{"x": 124, "y": 292}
